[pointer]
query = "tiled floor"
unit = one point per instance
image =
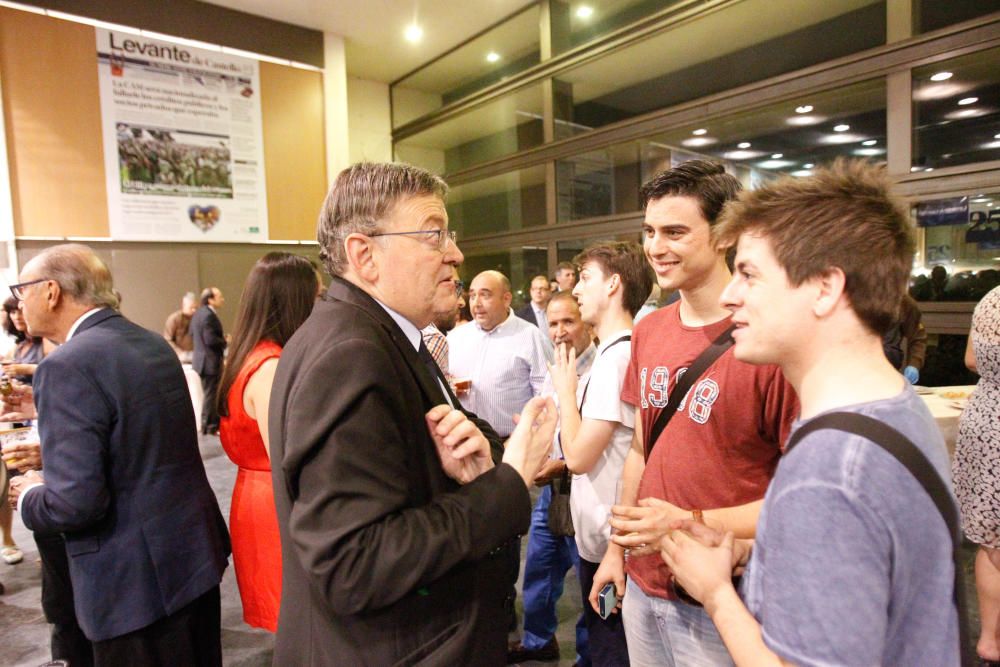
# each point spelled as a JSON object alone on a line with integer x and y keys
{"x": 24, "y": 633}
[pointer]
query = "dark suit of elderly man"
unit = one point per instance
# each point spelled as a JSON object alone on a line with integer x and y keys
{"x": 392, "y": 512}
{"x": 209, "y": 346}
{"x": 123, "y": 478}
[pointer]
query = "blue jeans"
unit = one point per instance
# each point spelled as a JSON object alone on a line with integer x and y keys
{"x": 667, "y": 633}
{"x": 548, "y": 560}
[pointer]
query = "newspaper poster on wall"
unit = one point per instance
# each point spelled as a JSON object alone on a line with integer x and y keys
{"x": 183, "y": 149}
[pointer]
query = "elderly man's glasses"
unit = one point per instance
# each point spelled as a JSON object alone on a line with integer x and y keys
{"x": 441, "y": 236}
{"x": 18, "y": 289}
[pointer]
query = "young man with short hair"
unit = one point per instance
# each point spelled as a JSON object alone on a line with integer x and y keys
{"x": 719, "y": 450}
{"x": 596, "y": 426}
{"x": 852, "y": 564}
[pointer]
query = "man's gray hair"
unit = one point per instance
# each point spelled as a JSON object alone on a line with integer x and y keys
{"x": 189, "y": 297}
{"x": 81, "y": 274}
{"x": 362, "y": 196}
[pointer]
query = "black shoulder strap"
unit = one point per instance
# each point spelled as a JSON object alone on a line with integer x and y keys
{"x": 587, "y": 386}
{"x": 694, "y": 371}
{"x": 907, "y": 453}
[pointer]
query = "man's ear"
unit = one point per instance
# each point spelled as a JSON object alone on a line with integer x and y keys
{"x": 614, "y": 283}
{"x": 507, "y": 298}
{"x": 52, "y": 295}
{"x": 361, "y": 257}
{"x": 830, "y": 290}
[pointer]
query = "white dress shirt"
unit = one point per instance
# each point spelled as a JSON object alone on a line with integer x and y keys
{"x": 507, "y": 366}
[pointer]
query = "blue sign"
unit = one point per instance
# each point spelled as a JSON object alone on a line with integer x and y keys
{"x": 984, "y": 229}
{"x": 938, "y": 212}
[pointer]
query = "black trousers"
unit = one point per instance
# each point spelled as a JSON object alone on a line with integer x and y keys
{"x": 209, "y": 410}
{"x": 606, "y": 636}
{"x": 68, "y": 641}
{"x": 191, "y": 636}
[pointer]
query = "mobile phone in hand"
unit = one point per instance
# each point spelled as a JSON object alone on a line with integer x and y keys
{"x": 607, "y": 600}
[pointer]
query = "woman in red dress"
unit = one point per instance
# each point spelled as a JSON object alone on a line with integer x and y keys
{"x": 278, "y": 296}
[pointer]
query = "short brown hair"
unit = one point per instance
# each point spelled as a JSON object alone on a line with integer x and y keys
{"x": 844, "y": 216}
{"x": 362, "y": 195}
{"x": 704, "y": 180}
{"x": 629, "y": 262}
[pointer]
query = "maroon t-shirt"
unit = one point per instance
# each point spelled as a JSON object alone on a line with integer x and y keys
{"x": 722, "y": 445}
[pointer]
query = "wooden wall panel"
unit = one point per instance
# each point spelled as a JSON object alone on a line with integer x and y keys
{"x": 294, "y": 153}
{"x": 53, "y": 117}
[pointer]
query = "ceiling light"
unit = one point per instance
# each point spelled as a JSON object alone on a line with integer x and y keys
{"x": 840, "y": 138}
{"x": 777, "y": 156}
{"x": 870, "y": 142}
{"x": 996, "y": 136}
{"x": 967, "y": 100}
{"x": 700, "y": 131}
{"x": 971, "y": 112}
{"x": 742, "y": 155}
{"x": 809, "y": 165}
{"x": 492, "y": 57}
{"x": 912, "y": 169}
{"x": 801, "y": 173}
{"x": 940, "y": 91}
{"x": 841, "y": 128}
{"x": 929, "y": 169}
{"x": 413, "y": 33}
{"x": 584, "y": 12}
{"x": 805, "y": 120}
{"x": 695, "y": 142}
{"x": 805, "y": 108}
{"x": 869, "y": 152}
{"x": 941, "y": 76}
{"x": 992, "y": 145}
{"x": 743, "y": 144}
{"x": 981, "y": 200}
{"x": 775, "y": 164}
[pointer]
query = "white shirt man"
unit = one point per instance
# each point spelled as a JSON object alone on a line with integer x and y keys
{"x": 503, "y": 356}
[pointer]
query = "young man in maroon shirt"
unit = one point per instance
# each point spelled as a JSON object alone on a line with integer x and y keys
{"x": 719, "y": 450}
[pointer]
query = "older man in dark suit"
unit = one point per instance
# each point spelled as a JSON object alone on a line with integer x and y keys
{"x": 392, "y": 512}
{"x": 123, "y": 478}
{"x": 209, "y": 346}
{"x": 534, "y": 310}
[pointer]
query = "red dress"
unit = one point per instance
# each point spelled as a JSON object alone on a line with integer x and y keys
{"x": 253, "y": 521}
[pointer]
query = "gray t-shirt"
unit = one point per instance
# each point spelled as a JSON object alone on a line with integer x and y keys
{"x": 852, "y": 564}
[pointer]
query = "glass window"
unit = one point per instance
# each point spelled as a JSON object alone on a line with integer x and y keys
{"x": 519, "y": 264}
{"x": 789, "y": 137}
{"x": 497, "y": 204}
{"x": 956, "y": 111}
{"x": 576, "y": 23}
{"x": 506, "y": 125}
{"x": 713, "y": 53}
{"x": 961, "y": 247}
{"x": 498, "y": 53}
{"x": 934, "y": 14}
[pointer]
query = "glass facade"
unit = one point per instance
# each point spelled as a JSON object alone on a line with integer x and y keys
{"x": 519, "y": 263}
{"x": 502, "y": 203}
{"x": 956, "y": 111}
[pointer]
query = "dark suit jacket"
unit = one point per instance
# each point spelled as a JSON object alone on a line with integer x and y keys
{"x": 209, "y": 342}
{"x": 386, "y": 560}
{"x": 124, "y": 479}
{"x": 527, "y": 314}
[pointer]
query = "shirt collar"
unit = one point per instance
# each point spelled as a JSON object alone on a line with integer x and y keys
{"x": 409, "y": 330}
{"x": 584, "y": 360}
{"x": 79, "y": 321}
{"x": 612, "y": 338}
{"x": 537, "y": 308}
{"x": 510, "y": 314}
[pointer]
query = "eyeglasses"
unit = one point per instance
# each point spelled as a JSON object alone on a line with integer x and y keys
{"x": 459, "y": 287}
{"x": 18, "y": 289}
{"x": 443, "y": 236}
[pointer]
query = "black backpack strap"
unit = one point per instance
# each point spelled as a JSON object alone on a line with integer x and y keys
{"x": 907, "y": 453}
{"x": 587, "y": 386}
{"x": 681, "y": 388}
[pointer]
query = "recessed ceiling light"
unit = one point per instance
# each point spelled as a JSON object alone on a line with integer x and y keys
{"x": 694, "y": 142}
{"x": 941, "y": 76}
{"x": 840, "y": 137}
{"x": 743, "y": 144}
{"x": 700, "y": 131}
{"x": 967, "y": 100}
{"x": 996, "y": 136}
{"x": 801, "y": 121}
{"x": 777, "y": 156}
{"x": 492, "y": 57}
{"x": 802, "y": 173}
{"x": 742, "y": 155}
{"x": 584, "y": 12}
{"x": 775, "y": 164}
{"x": 914, "y": 169}
{"x": 869, "y": 152}
{"x": 413, "y": 33}
{"x": 841, "y": 128}
{"x": 870, "y": 142}
{"x": 809, "y": 165}
{"x": 929, "y": 169}
{"x": 805, "y": 108}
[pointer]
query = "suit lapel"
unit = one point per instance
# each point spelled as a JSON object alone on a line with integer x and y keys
{"x": 342, "y": 290}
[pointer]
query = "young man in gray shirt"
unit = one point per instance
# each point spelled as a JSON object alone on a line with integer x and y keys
{"x": 852, "y": 563}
